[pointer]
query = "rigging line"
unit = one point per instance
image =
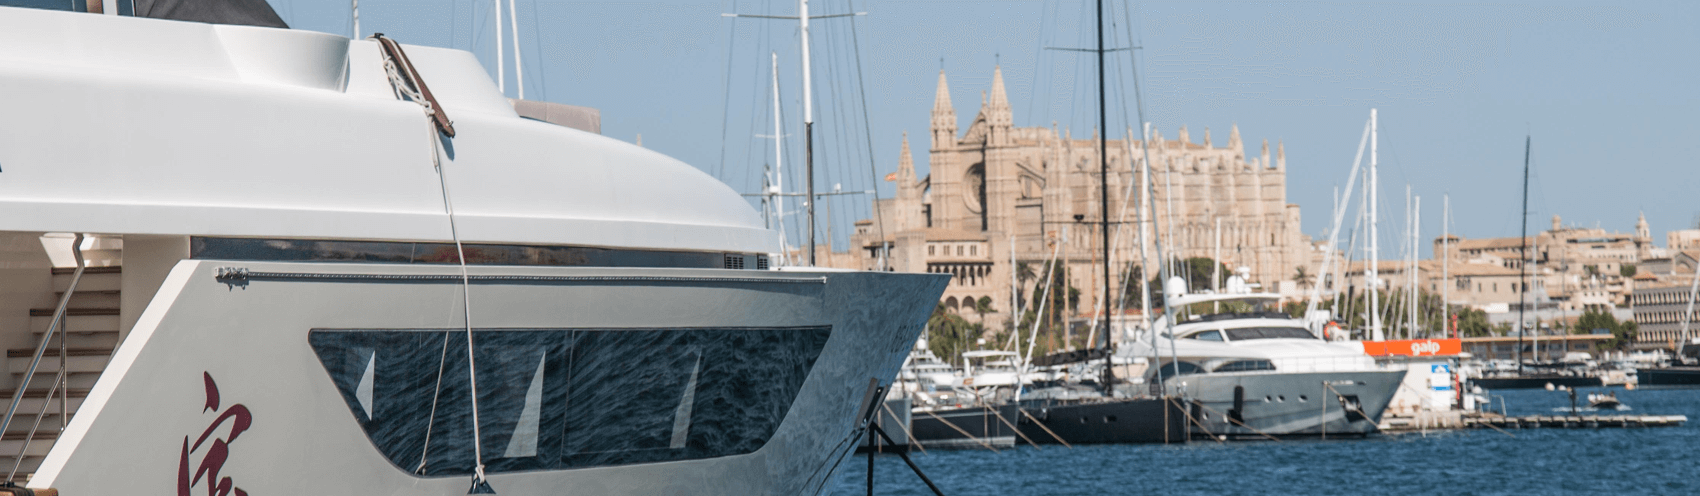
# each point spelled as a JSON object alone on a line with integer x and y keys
{"x": 466, "y": 315}
{"x": 438, "y": 126}
{"x": 868, "y": 135}
{"x": 726, "y": 94}
{"x": 436, "y": 394}
{"x": 542, "y": 61}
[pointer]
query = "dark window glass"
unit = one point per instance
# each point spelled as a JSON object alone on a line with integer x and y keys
{"x": 556, "y": 399}
{"x": 1171, "y": 369}
{"x": 307, "y": 250}
{"x": 76, "y": 5}
{"x": 1207, "y": 336}
{"x": 1246, "y": 366}
{"x": 1246, "y": 333}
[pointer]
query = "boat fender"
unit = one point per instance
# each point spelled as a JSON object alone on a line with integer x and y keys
{"x": 1239, "y": 405}
{"x": 24, "y": 491}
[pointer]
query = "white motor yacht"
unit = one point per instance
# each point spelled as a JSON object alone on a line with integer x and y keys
{"x": 315, "y": 264}
{"x": 1253, "y": 370}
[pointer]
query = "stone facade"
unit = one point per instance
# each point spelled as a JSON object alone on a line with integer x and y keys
{"x": 997, "y": 192}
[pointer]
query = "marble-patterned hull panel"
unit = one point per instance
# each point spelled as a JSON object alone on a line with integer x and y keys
{"x": 739, "y": 342}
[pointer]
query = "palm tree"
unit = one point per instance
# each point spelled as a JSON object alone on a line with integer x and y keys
{"x": 1305, "y": 280}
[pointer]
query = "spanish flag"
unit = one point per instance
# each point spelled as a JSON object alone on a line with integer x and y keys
{"x": 891, "y": 178}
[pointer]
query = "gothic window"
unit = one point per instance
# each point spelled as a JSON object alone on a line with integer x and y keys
{"x": 931, "y": 250}
{"x": 973, "y": 249}
{"x": 974, "y": 181}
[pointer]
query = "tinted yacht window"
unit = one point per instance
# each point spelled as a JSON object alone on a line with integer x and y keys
{"x": 1246, "y": 333}
{"x": 1207, "y": 336}
{"x": 556, "y": 398}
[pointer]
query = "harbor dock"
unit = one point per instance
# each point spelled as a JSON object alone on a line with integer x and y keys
{"x": 1574, "y": 421}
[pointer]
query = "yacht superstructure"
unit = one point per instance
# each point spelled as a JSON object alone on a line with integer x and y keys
{"x": 1253, "y": 370}
{"x": 334, "y": 276}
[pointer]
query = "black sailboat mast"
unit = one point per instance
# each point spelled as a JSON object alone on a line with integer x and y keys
{"x": 1104, "y": 204}
{"x": 1522, "y": 303}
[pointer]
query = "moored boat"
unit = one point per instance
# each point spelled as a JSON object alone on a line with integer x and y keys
{"x": 351, "y": 264}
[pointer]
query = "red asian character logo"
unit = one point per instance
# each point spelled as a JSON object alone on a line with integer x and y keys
{"x": 218, "y": 452}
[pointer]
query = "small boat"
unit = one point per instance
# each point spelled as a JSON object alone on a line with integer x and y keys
{"x": 1604, "y": 401}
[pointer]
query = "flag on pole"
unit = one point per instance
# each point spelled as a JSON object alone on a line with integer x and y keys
{"x": 891, "y": 178}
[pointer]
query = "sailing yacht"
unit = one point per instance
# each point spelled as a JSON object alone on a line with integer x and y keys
{"x": 1252, "y": 370}
{"x": 314, "y": 262}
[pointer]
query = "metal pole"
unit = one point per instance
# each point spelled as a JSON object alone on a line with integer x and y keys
{"x": 513, "y": 26}
{"x": 808, "y": 126}
{"x": 1524, "y": 247}
{"x": 1372, "y": 279}
{"x": 501, "y": 72}
{"x": 1446, "y": 265}
{"x": 873, "y": 440}
{"x": 1104, "y": 203}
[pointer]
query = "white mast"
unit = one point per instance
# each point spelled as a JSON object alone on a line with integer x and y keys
{"x": 1216, "y": 253}
{"x": 808, "y": 126}
{"x": 778, "y": 162}
{"x": 1144, "y": 234}
{"x": 513, "y": 25}
{"x": 1014, "y": 298}
{"x": 356, "y": 19}
{"x": 501, "y": 72}
{"x": 1416, "y": 286}
{"x": 1445, "y": 264}
{"x": 1370, "y": 277}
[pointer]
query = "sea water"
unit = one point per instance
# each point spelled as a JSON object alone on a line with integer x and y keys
{"x": 1461, "y": 462}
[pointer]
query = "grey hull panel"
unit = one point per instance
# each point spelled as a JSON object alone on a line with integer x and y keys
{"x": 299, "y": 434}
{"x": 1290, "y": 404}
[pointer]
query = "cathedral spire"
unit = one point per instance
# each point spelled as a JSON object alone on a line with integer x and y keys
{"x": 1183, "y": 137}
{"x": 905, "y": 165}
{"x": 1265, "y": 162}
{"x": 944, "y": 117}
{"x": 1234, "y": 142}
{"x": 997, "y": 111}
{"x": 1281, "y": 155}
{"x": 1207, "y": 137}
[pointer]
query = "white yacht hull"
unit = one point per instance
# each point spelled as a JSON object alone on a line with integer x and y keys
{"x": 1289, "y": 404}
{"x": 233, "y": 382}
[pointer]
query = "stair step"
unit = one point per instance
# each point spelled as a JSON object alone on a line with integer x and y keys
{"x": 33, "y": 392}
{"x": 39, "y": 445}
{"x": 28, "y": 406}
{"x": 77, "y": 364}
{"x": 92, "y": 299}
{"x": 21, "y": 425}
{"x": 25, "y": 469}
{"x": 93, "y": 280}
{"x": 65, "y": 271}
{"x": 76, "y": 323}
{"x": 53, "y": 351}
{"x": 84, "y": 339}
{"x": 74, "y": 312}
{"x": 75, "y": 380}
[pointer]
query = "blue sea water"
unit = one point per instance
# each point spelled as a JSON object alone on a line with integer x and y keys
{"x": 1466, "y": 462}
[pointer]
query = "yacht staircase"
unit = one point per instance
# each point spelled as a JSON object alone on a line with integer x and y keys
{"x": 89, "y": 333}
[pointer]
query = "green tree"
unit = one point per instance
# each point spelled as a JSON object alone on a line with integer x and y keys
{"x": 1472, "y": 323}
{"x": 1627, "y": 270}
{"x": 948, "y": 335}
{"x": 1622, "y": 333}
{"x": 1303, "y": 279}
{"x": 983, "y": 306}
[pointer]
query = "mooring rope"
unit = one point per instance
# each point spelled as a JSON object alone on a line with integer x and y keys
{"x": 407, "y": 83}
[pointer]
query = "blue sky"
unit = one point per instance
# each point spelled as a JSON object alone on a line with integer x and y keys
{"x": 1607, "y": 90}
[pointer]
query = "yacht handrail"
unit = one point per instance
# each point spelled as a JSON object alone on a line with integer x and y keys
{"x": 35, "y": 360}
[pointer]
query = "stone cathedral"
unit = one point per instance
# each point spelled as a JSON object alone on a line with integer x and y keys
{"x": 997, "y": 192}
